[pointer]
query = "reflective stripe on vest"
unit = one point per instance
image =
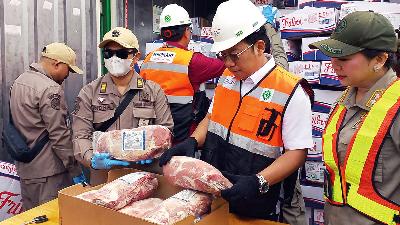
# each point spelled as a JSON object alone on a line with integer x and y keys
{"x": 329, "y": 142}
{"x": 359, "y": 163}
{"x": 254, "y": 122}
{"x": 171, "y": 74}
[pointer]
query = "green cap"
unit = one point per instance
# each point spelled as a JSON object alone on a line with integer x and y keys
{"x": 358, "y": 31}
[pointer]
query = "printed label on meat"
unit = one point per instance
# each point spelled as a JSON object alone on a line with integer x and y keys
{"x": 133, "y": 177}
{"x": 185, "y": 195}
{"x": 133, "y": 140}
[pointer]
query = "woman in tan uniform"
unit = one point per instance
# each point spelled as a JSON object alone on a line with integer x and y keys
{"x": 98, "y": 100}
{"x": 361, "y": 142}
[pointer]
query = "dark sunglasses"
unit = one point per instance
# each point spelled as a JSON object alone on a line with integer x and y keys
{"x": 120, "y": 53}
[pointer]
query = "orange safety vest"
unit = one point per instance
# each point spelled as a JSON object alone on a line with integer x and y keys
{"x": 352, "y": 183}
{"x": 168, "y": 66}
{"x": 253, "y": 122}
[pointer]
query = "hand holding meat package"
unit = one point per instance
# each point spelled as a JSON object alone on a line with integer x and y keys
{"x": 171, "y": 210}
{"x": 195, "y": 174}
{"x": 122, "y": 191}
{"x": 145, "y": 142}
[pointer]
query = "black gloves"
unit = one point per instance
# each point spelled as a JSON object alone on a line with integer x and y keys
{"x": 244, "y": 187}
{"x": 185, "y": 148}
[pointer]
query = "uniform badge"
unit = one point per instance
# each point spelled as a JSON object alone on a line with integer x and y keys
{"x": 115, "y": 33}
{"x": 103, "y": 87}
{"x": 374, "y": 98}
{"x": 100, "y": 99}
{"x": 144, "y": 96}
{"x": 139, "y": 83}
{"x": 266, "y": 95}
{"x": 358, "y": 123}
{"x": 55, "y": 101}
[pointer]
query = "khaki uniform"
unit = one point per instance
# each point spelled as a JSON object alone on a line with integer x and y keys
{"x": 386, "y": 178}
{"x": 293, "y": 212}
{"x": 37, "y": 104}
{"x": 96, "y": 103}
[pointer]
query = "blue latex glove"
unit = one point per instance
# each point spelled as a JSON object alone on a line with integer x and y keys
{"x": 80, "y": 179}
{"x": 144, "y": 162}
{"x": 269, "y": 13}
{"x": 104, "y": 161}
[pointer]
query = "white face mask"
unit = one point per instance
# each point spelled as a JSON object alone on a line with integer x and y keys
{"x": 118, "y": 67}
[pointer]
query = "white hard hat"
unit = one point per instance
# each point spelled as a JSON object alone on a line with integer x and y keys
{"x": 233, "y": 21}
{"x": 174, "y": 15}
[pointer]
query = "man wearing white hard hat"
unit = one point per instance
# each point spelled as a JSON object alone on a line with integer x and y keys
{"x": 180, "y": 72}
{"x": 258, "y": 128}
{"x": 97, "y": 103}
{"x": 39, "y": 112}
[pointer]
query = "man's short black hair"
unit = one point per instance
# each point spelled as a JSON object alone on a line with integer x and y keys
{"x": 174, "y": 33}
{"x": 260, "y": 34}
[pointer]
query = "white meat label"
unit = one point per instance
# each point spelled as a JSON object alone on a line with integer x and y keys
{"x": 185, "y": 195}
{"x": 162, "y": 57}
{"x": 133, "y": 177}
{"x": 133, "y": 140}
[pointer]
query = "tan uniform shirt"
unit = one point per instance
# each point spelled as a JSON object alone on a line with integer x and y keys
{"x": 37, "y": 104}
{"x": 97, "y": 102}
{"x": 387, "y": 173}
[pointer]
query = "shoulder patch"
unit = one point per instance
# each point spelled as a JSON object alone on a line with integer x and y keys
{"x": 55, "y": 101}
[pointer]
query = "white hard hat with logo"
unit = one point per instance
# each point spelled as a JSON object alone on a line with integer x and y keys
{"x": 233, "y": 21}
{"x": 174, "y": 15}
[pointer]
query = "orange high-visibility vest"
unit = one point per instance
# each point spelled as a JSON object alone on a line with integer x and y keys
{"x": 352, "y": 183}
{"x": 253, "y": 122}
{"x": 168, "y": 66}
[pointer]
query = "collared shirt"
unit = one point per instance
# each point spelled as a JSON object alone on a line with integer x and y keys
{"x": 296, "y": 128}
{"x": 387, "y": 170}
{"x": 37, "y": 104}
{"x": 201, "y": 67}
{"x": 97, "y": 102}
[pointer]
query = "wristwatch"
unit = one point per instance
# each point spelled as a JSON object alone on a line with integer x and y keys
{"x": 264, "y": 185}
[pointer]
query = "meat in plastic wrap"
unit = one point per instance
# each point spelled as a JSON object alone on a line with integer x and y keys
{"x": 141, "y": 208}
{"x": 195, "y": 174}
{"x": 180, "y": 206}
{"x": 124, "y": 190}
{"x": 145, "y": 142}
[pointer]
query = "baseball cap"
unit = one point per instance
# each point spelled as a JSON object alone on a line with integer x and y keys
{"x": 62, "y": 53}
{"x": 358, "y": 31}
{"x": 122, "y": 36}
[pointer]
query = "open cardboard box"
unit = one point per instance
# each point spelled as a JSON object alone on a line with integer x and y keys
{"x": 74, "y": 211}
{"x": 221, "y": 216}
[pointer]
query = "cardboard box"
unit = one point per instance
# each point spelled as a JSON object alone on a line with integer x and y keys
{"x": 328, "y": 76}
{"x": 292, "y": 49}
{"x": 314, "y": 172}
{"x": 315, "y": 153}
{"x": 74, "y": 211}
{"x": 318, "y": 122}
{"x": 307, "y": 22}
{"x": 312, "y": 54}
{"x": 307, "y": 69}
{"x": 197, "y": 24}
{"x": 221, "y": 216}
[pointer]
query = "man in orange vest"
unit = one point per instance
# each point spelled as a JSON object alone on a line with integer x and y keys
{"x": 259, "y": 110}
{"x": 179, "y": 71}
